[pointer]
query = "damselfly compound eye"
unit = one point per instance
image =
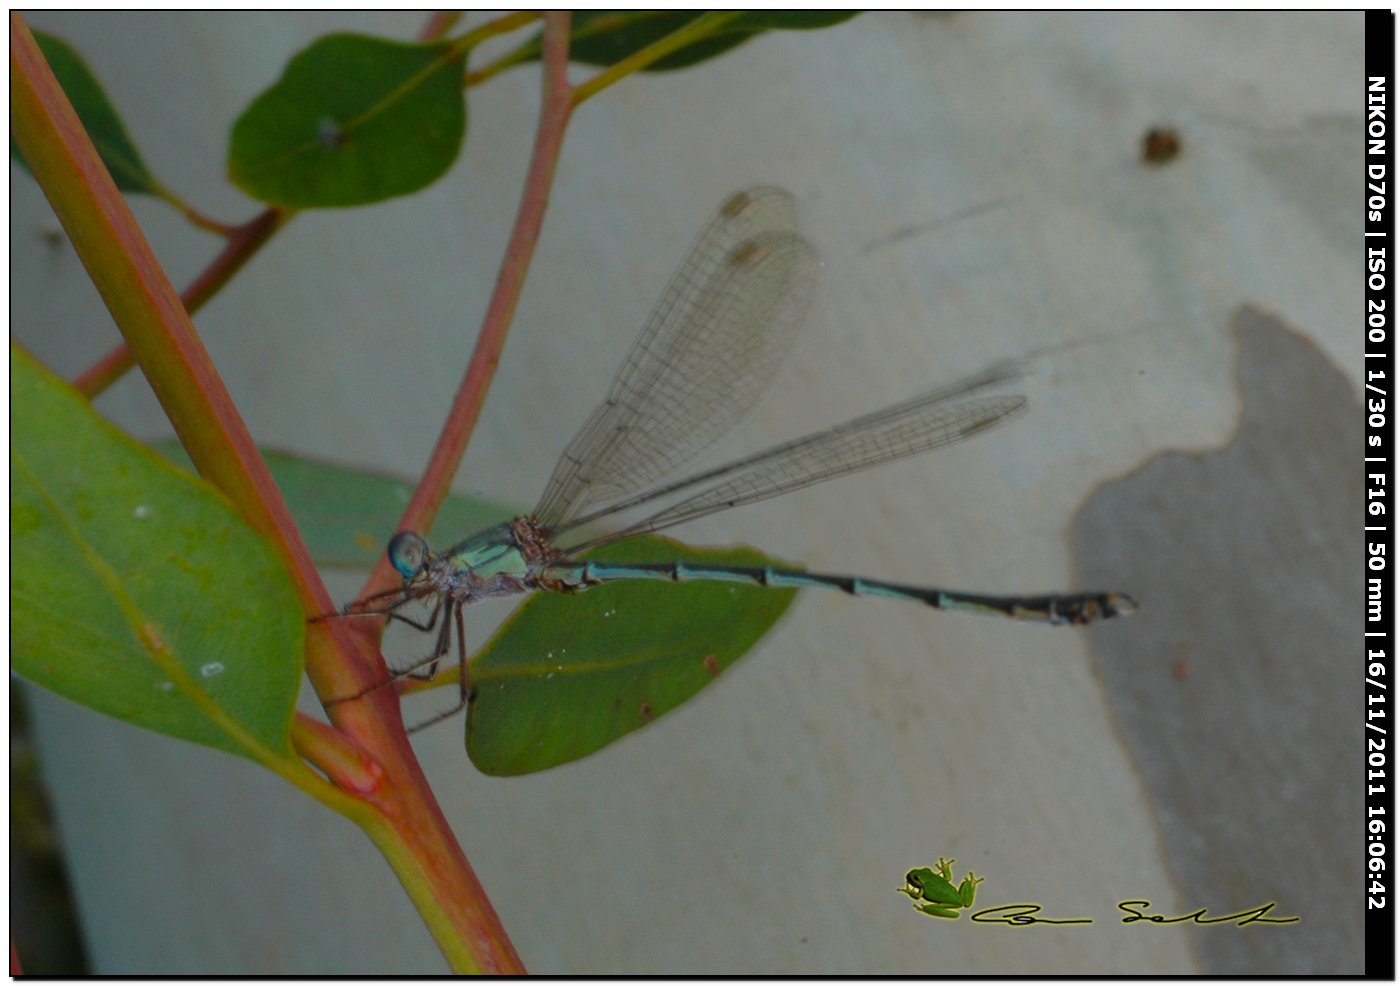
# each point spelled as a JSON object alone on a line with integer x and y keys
{"x": 407, "y": 553}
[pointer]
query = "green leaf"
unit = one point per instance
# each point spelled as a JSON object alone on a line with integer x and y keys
{"x": 346, "y": 516}
{"x": 605, "y": 37}
{"x": 352, "y": 120}
{"x": 99, "y": 118}
{"x": 135, "y": 589}
{"x": 565, "y": 676}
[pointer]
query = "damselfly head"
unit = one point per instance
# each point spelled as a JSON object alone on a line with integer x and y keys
{"x": 408, "y": 553}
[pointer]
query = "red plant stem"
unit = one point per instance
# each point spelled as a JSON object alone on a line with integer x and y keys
{"x": 491, "y": 949}
{"x": 440, "y": 862}
{"x": 373, "y": 708}
{"x": 510, "y": 280}
{"x": 439, "y": 23}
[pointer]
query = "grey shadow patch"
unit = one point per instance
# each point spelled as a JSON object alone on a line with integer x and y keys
{"x": 1239, "y": 690}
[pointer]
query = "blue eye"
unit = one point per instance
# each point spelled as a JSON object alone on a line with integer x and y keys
{"x": 408, "y": 553}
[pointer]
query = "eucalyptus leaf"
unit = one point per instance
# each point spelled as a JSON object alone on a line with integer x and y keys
{"x": 566, "y": 675}
{"x": 99, "y": 118}
{"x": 135, "y": 589}
{"x": 353, "y": 119}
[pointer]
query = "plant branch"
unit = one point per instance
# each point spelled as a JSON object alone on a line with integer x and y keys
{"x": 698, "y": 29}
{"x": 510, "y": 280}
{"x": 207, "y": 223}
{"x": 501, "y": 25}
{"x": 244, "y": 241}
{"x": 336, "y": 754}
{"x": 439, "y": 24}
{"x": 416, "y": 839}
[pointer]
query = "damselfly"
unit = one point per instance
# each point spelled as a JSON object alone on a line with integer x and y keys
{"x": 709, "y": 349}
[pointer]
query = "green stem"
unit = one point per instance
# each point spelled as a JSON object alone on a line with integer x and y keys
{"x": 501, "y": 25}
{"x": 696, "y": 30}
{"x": 197, "y": 218}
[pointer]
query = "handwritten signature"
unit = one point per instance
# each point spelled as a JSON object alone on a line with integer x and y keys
{"x": 1022, "y": 915}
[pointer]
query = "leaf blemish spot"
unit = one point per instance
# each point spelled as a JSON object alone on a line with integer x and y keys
{"x": 330, "y": 135}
